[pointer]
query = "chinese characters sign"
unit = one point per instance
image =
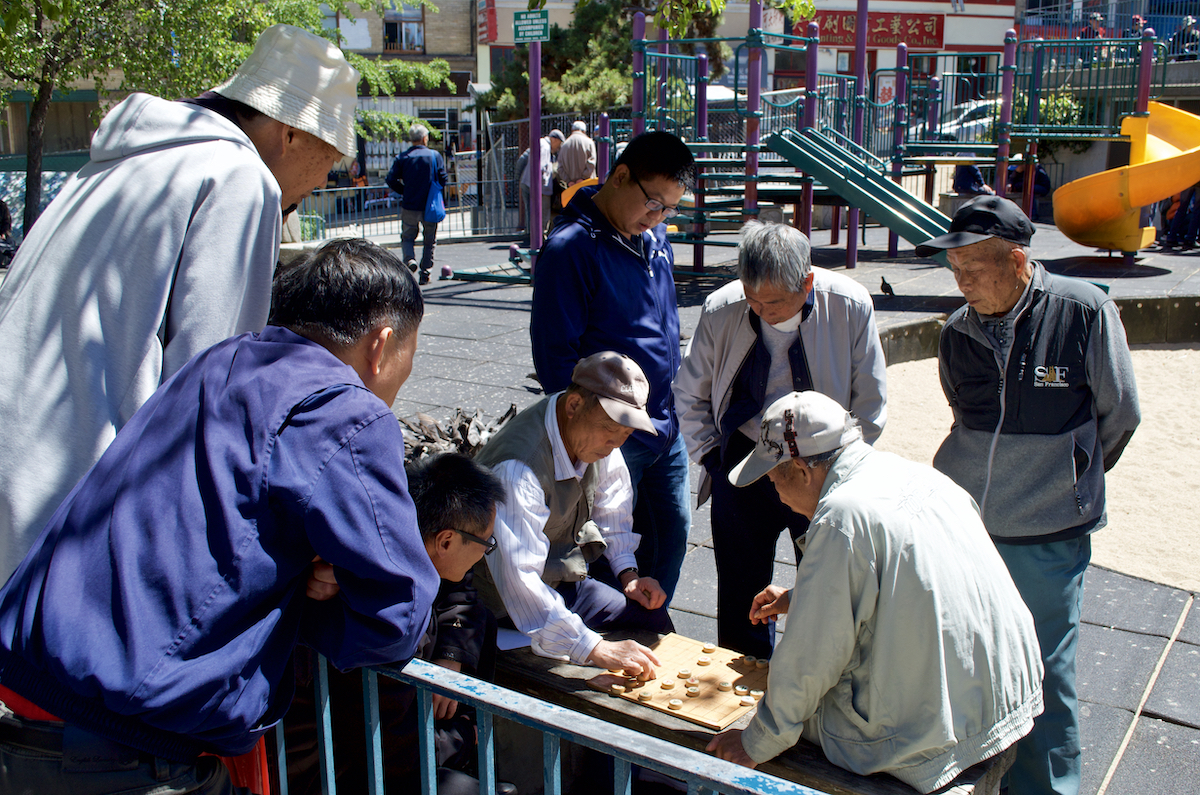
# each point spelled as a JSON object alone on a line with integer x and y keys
{"x": 485, "y": 22}
{"x": 884, "y": 29}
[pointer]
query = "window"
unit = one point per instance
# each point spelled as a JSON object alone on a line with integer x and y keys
{"x": 404, "y": 29}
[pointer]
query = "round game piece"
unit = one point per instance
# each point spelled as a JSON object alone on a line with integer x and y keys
{"x": 750, "y": 660}
{"x": 709, "y": 648}
{"x": 756, "y": 694}
{"x": 693, "y": 680}
{"x": 667, "y": 684}
{"x": 617, "y": 690}
{"x": 724, "y": 687}
{"x": 742, "y": 690}
{"x": 615, "y": 671}
{"x": 645, "y": 695}
{"x": 675, "y": 703}
{"x": 693, "y": 691}
{"x": 684, "y": 673}
{"x": 747, "y": 701}
{"x": 704, "y": 660}
{"x": 761, "y": 664}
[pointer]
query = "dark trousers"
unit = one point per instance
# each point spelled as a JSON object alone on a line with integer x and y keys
{"x": 602, "y": 605}
{"x": 454, "y": 738}
{"x": 52, "y": 758}
{"x": 746, "y": 523}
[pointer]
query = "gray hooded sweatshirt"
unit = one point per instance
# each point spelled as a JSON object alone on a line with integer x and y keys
{"x": 162, "y": 245}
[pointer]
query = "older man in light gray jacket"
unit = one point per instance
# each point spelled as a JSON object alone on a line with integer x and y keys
{"x": 908, "y": 648}
{"x": 783, "y": 326}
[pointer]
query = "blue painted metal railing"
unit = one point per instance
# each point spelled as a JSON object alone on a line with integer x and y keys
{"x": 702, "y": 773}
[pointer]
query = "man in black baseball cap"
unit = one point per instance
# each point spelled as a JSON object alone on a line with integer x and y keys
{"x": 1038, "y": 374}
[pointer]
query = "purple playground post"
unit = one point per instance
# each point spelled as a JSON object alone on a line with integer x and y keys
{"x": 1145, "y": 72}
{"x": 811, "y": 85}
{"x": 661, "y": 80}
{"x": 899, "y": 130}
{"x": 602, "y": 148}
{"x": 639, "y": 75}
{"x": 856, "y": 130}
{"x": 535, "y": 152}
{"x": 701, "y": 136}
{"x": 754, "y": 116}
{"x": 1007, "y": 79}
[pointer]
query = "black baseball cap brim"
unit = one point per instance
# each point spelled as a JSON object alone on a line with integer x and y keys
{"x": 979, "y": 219}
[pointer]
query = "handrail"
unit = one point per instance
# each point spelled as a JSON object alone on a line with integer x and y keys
{"x": 702, "y": 772}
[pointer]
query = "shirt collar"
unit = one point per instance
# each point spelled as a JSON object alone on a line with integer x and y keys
{"x": 563, "y": 468}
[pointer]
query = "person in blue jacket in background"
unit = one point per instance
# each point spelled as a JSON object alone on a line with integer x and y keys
{"x": 603, "y": 281}
{"x": 412, "y": 175}
{"x": 156, "y": 616}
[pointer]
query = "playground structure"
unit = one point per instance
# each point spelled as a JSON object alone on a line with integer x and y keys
{"x": 830, "y": 143}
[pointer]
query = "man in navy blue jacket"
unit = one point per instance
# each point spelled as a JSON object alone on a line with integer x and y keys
{"x": 156, "y": 616}
{"x": 603, "y": 282}
{"x": 412, "y": 175}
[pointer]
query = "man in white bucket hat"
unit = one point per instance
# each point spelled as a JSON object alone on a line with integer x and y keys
{"x": 908, "y": 649}
{"x": 162, "y": 245}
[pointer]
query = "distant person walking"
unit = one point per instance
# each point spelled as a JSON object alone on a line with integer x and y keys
{"x": 412, "y": 175}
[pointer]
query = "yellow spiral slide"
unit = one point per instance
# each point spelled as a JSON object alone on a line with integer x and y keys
{"x": 1103, "y": 210}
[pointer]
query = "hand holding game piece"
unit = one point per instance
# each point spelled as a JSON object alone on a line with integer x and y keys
{"x": 770, "y": 602}
{"x": 728, "y": 746}
{"x": 628, "y": 656}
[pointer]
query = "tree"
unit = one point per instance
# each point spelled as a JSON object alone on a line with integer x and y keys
{"x": 171, "y": 48}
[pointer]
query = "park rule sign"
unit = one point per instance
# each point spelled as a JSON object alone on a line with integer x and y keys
{"x": 531, "y": 26}
{"x": 884, "y": 29}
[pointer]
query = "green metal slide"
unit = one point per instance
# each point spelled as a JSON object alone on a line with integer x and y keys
{"x": 861, "y": 185}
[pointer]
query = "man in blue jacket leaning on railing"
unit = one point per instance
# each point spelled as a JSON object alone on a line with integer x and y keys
{"x": 156, "y": 616}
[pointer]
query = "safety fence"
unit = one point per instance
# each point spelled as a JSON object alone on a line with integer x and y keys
{"x": 629, "y": 750}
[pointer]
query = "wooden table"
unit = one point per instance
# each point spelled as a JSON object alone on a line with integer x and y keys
{"x": 566, "y": 684}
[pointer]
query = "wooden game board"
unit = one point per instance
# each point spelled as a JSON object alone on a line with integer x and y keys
{"x": 712, "y": 708}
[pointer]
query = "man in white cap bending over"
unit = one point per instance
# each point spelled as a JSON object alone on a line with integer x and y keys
{"x": 908, "y": 649}
{"x": 164, "y": 244}
{"x": 564, "y": 567}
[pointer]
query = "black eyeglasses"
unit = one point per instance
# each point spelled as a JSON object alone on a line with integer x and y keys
{"x": 490, "y": 543}
{"x": 654, "y": 205}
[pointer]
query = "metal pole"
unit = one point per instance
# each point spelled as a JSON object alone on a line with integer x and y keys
{"x": 603, "y": 148}
{"x": 701, "y": 136}
{"x": 811, "y": 84}
{"x": 535, "y": 152}
{"x": 661, "y": 111}
{"x": 856, "y": 132}
{"x": 1004, "y": 139}
{"x": 754, "y": 108}
{"x": 1145, "y": 72}
{"x": 900, "y": 131}
{"x": 639, "y": 74}
{"x": 1033, "y": 112}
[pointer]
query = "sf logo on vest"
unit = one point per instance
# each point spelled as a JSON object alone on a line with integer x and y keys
{"x": 1053, "y": 375}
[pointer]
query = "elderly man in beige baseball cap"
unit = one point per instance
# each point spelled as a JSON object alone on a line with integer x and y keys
{"x": 908, "y": 649}
{"x": 564, "y": 567}
{"x": 162, "y": 245}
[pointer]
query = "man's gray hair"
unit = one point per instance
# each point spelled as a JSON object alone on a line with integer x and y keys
{"x": 775, "y": 254}
{"x": 579, "y": 126}
{"x": 1000, "y": 249}
{"x": 418, "y": 133}
{"x": 825, "y": 460}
